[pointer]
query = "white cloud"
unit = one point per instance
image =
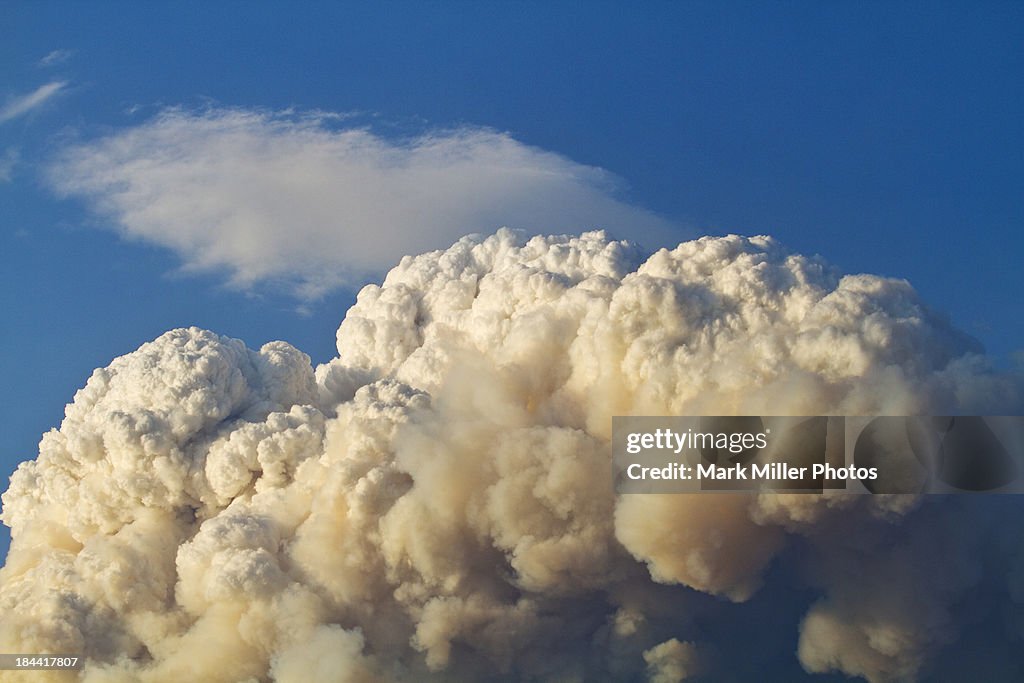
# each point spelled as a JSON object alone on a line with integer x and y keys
{"x": 275, "y": 195}
{"x": 22, "y": 104}
{"x": 436, "y": 503}
{"x": 8, "y": 161}
{"x": 55, "y": 57}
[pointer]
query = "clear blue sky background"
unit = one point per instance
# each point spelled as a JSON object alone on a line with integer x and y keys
{"x": 886, "y": 137}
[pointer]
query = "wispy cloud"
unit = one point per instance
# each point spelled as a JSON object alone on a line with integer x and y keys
{"x": 304, "y": 199}
{"x": 22, "y": 104}
{"x": 55, "y": 57}
{"x": 8, "y": 160}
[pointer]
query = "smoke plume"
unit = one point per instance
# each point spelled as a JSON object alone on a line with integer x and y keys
{"x": 436, "y": 502}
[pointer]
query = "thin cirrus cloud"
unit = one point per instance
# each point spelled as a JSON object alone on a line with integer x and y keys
{"x": 55, "y": 57}
{"x": 22, "y": 104}
{"x": 8, "y": 160}
{"x": 305, "y": 200}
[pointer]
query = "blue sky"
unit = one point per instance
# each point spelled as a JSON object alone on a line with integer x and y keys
{"x": 884, "y": 137}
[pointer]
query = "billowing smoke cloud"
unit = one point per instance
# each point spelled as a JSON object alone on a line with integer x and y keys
{"x": 436, "y": 502}
{"x": 292, "y": 197}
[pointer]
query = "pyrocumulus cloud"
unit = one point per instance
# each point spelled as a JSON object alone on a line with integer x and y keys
{"x": 435, "y": 503}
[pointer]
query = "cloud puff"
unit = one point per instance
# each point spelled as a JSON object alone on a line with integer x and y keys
{"x": 305, "y": 199}
{"x": 23, "y": 104}
{"x": 435, "y": 503}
